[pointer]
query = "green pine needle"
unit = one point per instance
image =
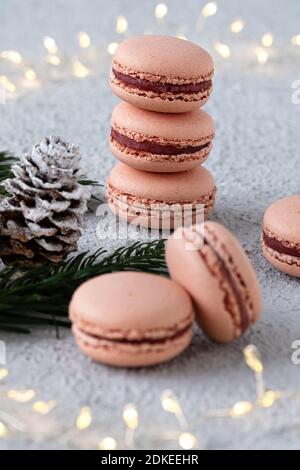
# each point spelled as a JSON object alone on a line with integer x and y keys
{"x": 40, "y": 295}
{"x": 6, "y": 161}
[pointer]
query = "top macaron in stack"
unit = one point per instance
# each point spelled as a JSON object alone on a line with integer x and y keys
{"x": 159, "y": 128}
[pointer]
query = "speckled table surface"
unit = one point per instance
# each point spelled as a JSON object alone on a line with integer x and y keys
{"x": 255, "y": 161}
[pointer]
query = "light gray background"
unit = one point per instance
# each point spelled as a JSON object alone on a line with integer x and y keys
{"x": 255, "y": 161}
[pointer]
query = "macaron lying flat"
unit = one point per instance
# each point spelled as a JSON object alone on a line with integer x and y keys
{"x": 160, "y": 200}
{"x": 162, "y": 73}
{"x": 211, "y": 265}
{"x": 160, "y": 142}
{"x": 281, "y": 235}
{"x": 131, "y": 319}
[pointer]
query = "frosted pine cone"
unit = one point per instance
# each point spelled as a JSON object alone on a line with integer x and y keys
{"x": 42, "y": 218}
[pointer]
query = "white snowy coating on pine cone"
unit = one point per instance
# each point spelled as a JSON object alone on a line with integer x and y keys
{"x": 43, "y": 214}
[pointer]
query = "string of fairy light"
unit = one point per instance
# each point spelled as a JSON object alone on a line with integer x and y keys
{"x": 30, "y": 77}
{"x": 136, "y": 434}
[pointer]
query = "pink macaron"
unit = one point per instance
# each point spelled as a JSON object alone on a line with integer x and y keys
{"x": 160, "y": 142}
{"x": 131, "y": 319}
{"x": 281, "y": 235}
{"x": 160, "y": 200}
{"x": 162, "y": 73}
{"x": 209, "y": 262}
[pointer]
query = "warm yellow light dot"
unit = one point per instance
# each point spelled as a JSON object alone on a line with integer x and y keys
{"x": 267, "y": 40}
{"x": 261, "y": 55}
{"x": 53, "y": 60}
{"x": 252, "y": 358}
{"x": 237, "y": 26}
{"x": 108, "y": 443}
{"x": 3, "y": 430}
{"x": 241, "y": 408}
{"x": 21, "y": 396}
{"x": 181, "y": 36}
{"x": 161, "y": 10}
{"x": 30, "y": 75}
{"x": 112, "y": 47}
{"x": 222, "y": 49}
{"x": 7, "y": 84}
{"x": 84, "y": 40}
{"x": 121, "y": 24}
{"x": 12, "y": 56}
{"x": 44, "y": 407}
{"x": 80, "y": 70}
{"x": 131, "y": 416}
{"x": 296, "y": 40}
{"x": 170, "y": 402}
{"x": 209, "y": 9}
{"x": 187, "y": 440}
{"x": 84, "y": 418}
{"x": 3, "y": 373}
{"x": 50, "y": 45}
{"x": 269, "y": 398}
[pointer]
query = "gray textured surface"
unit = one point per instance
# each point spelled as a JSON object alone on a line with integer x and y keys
{"x": 255, "y": 161}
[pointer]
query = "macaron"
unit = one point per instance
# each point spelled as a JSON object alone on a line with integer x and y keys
{"x": 131, "y": 319}
{"x": 209, "y": 262}
{"x": 160, "y": 142}
{"x": 160, "y": 200}
{"x": 281, "y": 235}
{"x": 162, "y": 73}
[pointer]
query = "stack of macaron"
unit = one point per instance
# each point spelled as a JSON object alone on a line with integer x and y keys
{"x": 159, "y": 134}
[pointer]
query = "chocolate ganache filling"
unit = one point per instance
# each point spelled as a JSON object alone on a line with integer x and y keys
{"x": 147, "y": 85}
{"x": 172, "y": 337}
{"x": 153, "y": 147}
{"x": 276, "y": 245}
{"x": 245, "y": 320}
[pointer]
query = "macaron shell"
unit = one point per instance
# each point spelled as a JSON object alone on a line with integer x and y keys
{"x": 194, "y": 126}
{"x": 131, "y": 356}
{"x": 133, "y": 310}
{"x": 164, "y": 56}
{"x": 282, "y": 219}
{"x": 197, "y": 281}
{"x": 156, "y": 104}
{"x": 205, "y": 284}
{"x": 164, "y": 187}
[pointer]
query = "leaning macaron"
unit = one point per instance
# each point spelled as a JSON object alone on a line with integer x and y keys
{"x": 131, "y": 319}
{"x": 162, "y": 73}
{"x": 209, "y": 262}
{"x": 281, "y": 235}
{"x": 160, "y": 200}
{"x": 160, "y": 142}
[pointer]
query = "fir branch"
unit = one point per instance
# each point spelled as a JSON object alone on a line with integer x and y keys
{"x": 40, "y": 295}
{"x": 6, "y": 162}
